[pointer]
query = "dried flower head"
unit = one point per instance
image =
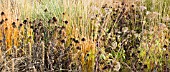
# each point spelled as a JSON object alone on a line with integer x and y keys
{"x": 25, "y": 21}
{"x": 1, "y": 22}
{"x": 14, "y": 25}
{"x": 45, "y": 10}
{"x": 66, "y": 22}
{"x": 2, "y": 13}
{"x": 78, "y": 47}
{"x": 54, "y": 19}
{"x": 83, "y": 39}
{"x": 20, "y": 24}
{"x": 63, "y": 41}
{"x": 6, "y": 19}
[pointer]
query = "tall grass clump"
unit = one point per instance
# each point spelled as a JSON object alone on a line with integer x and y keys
{"x": 84, "y": 35}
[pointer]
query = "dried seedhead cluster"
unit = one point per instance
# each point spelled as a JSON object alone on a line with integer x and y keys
{"x": 112, "y": 41}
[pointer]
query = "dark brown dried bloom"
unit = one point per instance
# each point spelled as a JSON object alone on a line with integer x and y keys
{"x": 54, "y": 19}
{"x": 79, "y": 48}
{"x": 25, "y": 21}
{"x": 14, "y": 25}
{"x": 83, "y": 39}
{"x": 50, "y": 21}
{"x": 63, "y": 41}
{"x": 145, "y": 66}
{"x": 2, "y": 21}
{"x": 66, "y": 22}
{"x": 2, "y": 13}
{"x": 20, "y": 24}
{"x": 165, "y": 46}
{"x": 45, "y": 10}
{"x": 6, "y": 19}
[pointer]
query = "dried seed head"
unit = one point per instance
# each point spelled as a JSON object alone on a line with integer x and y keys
{"x": 2, "y": 21}
{"x": 78, "y": 47}
{"x": 145, "y": 66}
{"x": 66, "y": 22}
{"x": 166, "y": 54}
{"x": 165, "y": 46}
{"x": 6, "y": 19}
{"x": 45, "y": 10}
{"x": 14, "y": 25}
{"x": 88, "y": 54}
{"x": 2, "y": 13}
{"x": 20, "y": 24}
{"x": 76, "y": 41}
{"x": 63, "y": 13}
{"x": 25, "y": 21}
{"x": 83, "y": 39}
{"x": 50, "y": 21}
{"x": 54, "y": 19}
{"x": 63, "y": 41}
{"x": 63, "y": 27}
{"x": 32, "y": 27}
{"x": 17, "y": 19}
{"x": 132, "y": 5}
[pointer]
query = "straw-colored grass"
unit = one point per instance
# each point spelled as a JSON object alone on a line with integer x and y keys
{"x": 84, "y": 35}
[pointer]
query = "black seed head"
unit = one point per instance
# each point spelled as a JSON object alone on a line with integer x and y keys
{"x": 99, "y": 31}
{"x": 105, "y": 67}
{"x": 165, "y": 46}
{"x": 100, "y": 52}
{"x": 2, "y": 13}
{"x": 83, "y": 39}
{"x": 66, "y": 22}
{"x": 145, "y": 66}
{"x": 110, "y": 58}
{"x": 132, "y": 5}
{"x": 50, "y": 21}
{"x": 76, "y": 41}
{"x": 54, "y": 19}
{"x": 25, "y": 21}
{"x": 71, "y": 44}
{"x": 63, "y": 27}
{"x": 63, "y": 41}
{"x": 45, "y": 10}
{"x": 0, "y": 41}
{"x": 166, "y": 54}
{"x": 140, "y": 63}
{"x": 20, "y": 24}
{"x": 79, "y": 48}
{"x": 32, "y": 27}
{"x": 6, "y": 19}
{"x": 2, "y": 21}
{"x": 133, "y": 55}
{"x": 138, "y": 51}
{"x": 14, "y": 25}
{"x": 87, "y": 54}
{"x": 123, "y": 3}
{"x": 17, "y": 19}
{"x": 40, "y": 24}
